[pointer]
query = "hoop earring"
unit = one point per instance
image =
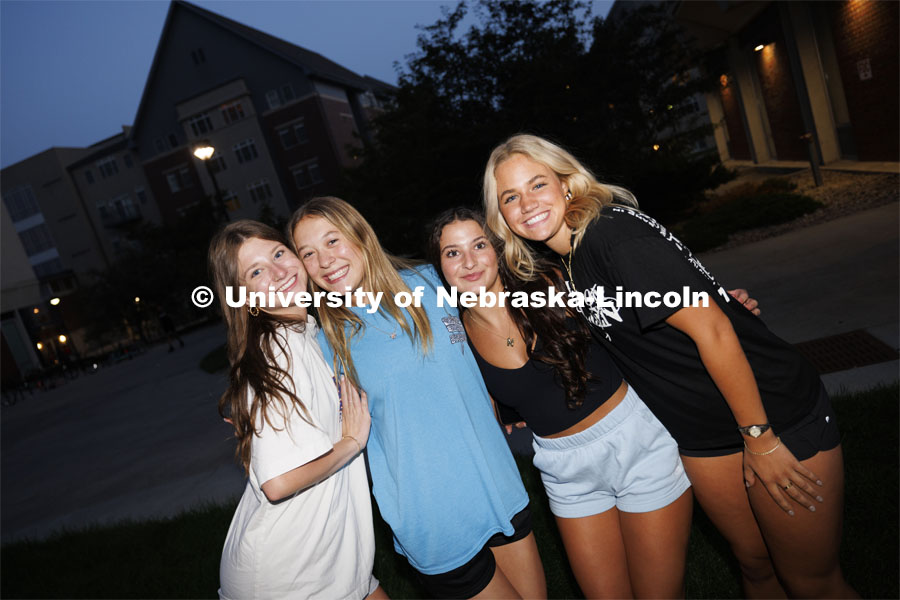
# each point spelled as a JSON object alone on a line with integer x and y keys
{"x": 254, "y": 311}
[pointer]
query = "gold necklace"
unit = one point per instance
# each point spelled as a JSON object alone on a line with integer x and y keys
{"x": 568, "y": 265}
{"x": 510, "y": 342}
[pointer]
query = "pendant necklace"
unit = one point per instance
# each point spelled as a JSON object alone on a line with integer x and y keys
{"x": 392, "y": 334}
{"x": 510, "y": 342}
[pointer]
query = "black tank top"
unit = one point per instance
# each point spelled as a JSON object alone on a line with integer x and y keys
{"x": 535, "y": 393}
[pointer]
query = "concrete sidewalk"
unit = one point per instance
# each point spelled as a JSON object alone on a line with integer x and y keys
{"x": 142, "y": 439}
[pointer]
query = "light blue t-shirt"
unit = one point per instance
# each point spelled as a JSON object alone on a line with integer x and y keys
{"x": 442, "y": 472}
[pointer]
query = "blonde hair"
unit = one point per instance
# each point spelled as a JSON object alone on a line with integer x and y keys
{"x": 589, "y": 196}
{"x": 380, "y": 276}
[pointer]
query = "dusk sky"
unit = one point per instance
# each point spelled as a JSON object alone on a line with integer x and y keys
{"x": 72, "y": 73}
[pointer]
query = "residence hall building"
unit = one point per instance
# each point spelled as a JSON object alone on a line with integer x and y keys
{"x": 791, "y": 68}
{"x": 283, "y": 120}
{"x": 49, "y": 245}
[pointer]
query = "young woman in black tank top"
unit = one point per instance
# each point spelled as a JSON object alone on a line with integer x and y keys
{"x": 625, "y": 529}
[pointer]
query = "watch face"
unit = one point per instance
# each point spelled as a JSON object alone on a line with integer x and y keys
{"x": 755, "y": 431}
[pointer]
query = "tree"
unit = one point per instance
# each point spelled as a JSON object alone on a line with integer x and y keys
{"x": 606, "y": 90}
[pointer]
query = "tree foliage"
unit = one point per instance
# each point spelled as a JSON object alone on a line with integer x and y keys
{"x": 607, "y": 90}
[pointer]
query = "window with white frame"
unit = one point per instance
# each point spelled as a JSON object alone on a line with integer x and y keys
{"x": 280, "y": 95}
{"x": 47, "y": 268}
{"x": 259, "y": 190}
{"x": 245, "y": 151}
{"x": 126, "y": 158}
{"x": 141, "y": 195}
{"x": 273, "y": 99}
{"x": 21, "y": 203}
{"x": 36, "y": 239}
{"x": 200, "y": 124}
{"x": 107, "y": 167}
{"x": 217, "y": 163}
{"x": 293, "y": 134}
{"x": 179, "y": 179}
{"x": 307, "y": 174}
{"x": 160, "y": 144}
{"x": 88, "y": 176}
{"x": 231, "y": 201}
{"x": 233, "y": 111}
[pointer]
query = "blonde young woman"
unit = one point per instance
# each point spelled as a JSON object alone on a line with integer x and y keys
{"x": 612, "y": 473}
{"x": 757, "y": 434}
{"x": 442, "y": 474}
{"x": 303, "y": 527}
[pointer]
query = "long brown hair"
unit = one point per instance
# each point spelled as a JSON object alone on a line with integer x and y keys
{"x": 257, "y": 346}
{"x": 380, "y": 276}
{"x": 562, "y": 347}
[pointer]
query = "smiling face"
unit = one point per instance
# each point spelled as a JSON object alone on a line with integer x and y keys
{"x": 265, "y": 265}
{"x": 334, "y": 262}
{"x": 532, "y": 201}
{"x": 468, "y": 260}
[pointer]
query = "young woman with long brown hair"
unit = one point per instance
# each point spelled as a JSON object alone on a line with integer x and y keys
{"x": 612, "y": 472}
{"x": 303, "y": 527}
{"x": 442, "y": 473}
{"x": 757, "y": 434}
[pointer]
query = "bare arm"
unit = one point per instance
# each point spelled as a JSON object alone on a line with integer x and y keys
{"x": 724, "y": 359}
{"x": 355, "y": 427}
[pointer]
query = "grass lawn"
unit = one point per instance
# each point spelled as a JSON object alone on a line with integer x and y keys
{"x": 179, "y": 557}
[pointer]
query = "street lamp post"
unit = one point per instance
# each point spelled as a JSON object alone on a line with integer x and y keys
{"x": 205, "y": 152}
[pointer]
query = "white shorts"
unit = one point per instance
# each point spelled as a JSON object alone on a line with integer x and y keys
{"x": 627, "y": 460}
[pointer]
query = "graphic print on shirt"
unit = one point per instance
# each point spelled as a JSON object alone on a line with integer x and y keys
{"x": 455, "y": 328}
{"x": 601, "y": 310}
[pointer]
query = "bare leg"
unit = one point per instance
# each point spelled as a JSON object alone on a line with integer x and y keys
{"x": 719, "y": 488}
{"x": 596, "y": 554}
{"x": 804, "y": 547}
{"x": 521, "y": 564}
{"x": 499, "y": 587}
{"x": 656, "y": 547}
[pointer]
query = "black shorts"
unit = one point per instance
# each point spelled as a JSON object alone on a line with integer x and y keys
{"x": 475, "y": 575}
{"x": 815, "y": 432}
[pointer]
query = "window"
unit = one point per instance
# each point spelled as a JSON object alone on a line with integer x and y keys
{"x": 36, "y": 240}
{"x": 141, "y": 195}
{"x": 233, "y": 111}
{"x": 126, "y": 158}
{"x": 47, "y": 268}
{"x": 231, "y": 201}
{"x": 259, "y": 190}
{"x": 307, "y": 174}
{"x": 197, "y": 56}
{"x": 273, "y": 99}
{"x": 217, "y": 163}
{"x": 179, "y": 179}
{"x": 293, "y": 134}
{"x": 245, "y": 151}
{"x": 279, "y": 96}
{"x": 88, "y": 176}
{"x": 107, "y": 167}
{"x": 200, "y": 124}
{"x": 160, "y": 144}
{"x": 173, "y": 141}
{"x": 21, "y": 203}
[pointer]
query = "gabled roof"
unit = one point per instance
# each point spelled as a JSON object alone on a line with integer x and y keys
{"x": 313, "y": 64}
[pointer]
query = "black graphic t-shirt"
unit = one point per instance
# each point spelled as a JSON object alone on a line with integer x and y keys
{"x": 626, "y": 248}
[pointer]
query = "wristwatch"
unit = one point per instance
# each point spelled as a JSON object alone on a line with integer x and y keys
{"x": 754, "y": 431}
